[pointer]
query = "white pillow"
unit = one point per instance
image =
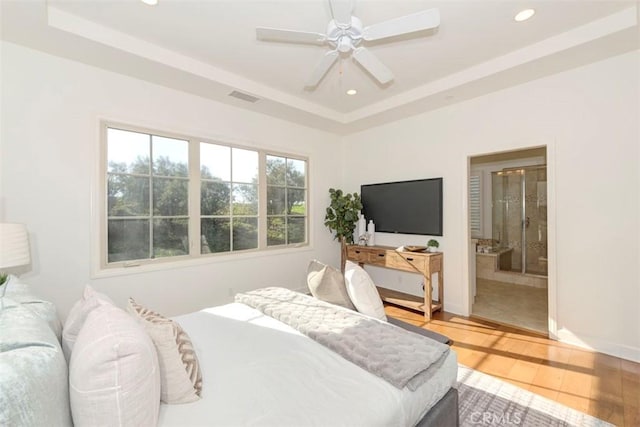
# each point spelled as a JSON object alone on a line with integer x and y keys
{"x": 363, "y": 292}
{"x": 114, "y": 378}
{"x": 91, "y": 299}
{"x": 180, "y": 376}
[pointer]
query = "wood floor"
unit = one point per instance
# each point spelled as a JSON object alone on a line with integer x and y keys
{"x": 600, "y": 385}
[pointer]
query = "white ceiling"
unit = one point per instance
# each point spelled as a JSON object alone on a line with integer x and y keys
{"x": 209, "y": 48}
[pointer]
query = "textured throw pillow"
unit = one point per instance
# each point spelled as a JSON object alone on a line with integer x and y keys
{"x": 91, "y": 300}
{"x": 114, "y": 378}
{"x": 327, "y": 284}
{"x": 180, "y": 376}
{"x": 363, "y": 292}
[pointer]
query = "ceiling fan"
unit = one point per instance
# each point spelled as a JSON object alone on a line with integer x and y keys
{"x": 344, "y": 35}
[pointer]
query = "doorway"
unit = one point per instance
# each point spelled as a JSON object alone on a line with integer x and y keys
{"x": 508, "y": 217}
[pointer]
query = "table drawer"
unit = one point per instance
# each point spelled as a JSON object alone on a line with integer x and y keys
{"x": 414, "y": 263}
{"x": 357, "y": 254}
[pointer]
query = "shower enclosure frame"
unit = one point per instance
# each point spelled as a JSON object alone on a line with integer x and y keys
{"x": 525, "y": 220}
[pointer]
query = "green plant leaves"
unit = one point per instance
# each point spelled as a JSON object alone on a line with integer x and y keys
{"x": 342, "y": 213}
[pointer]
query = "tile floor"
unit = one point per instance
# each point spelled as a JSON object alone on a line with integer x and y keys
{"x": 510, "y": 304}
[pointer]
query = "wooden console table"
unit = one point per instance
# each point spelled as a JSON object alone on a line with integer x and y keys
{"x": 423, "y": 263}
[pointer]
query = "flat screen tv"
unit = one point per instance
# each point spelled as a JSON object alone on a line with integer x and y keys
{"x": 406, "y": 207}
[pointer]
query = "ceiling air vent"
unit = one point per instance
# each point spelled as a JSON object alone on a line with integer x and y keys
{"x": 244, "y": 96}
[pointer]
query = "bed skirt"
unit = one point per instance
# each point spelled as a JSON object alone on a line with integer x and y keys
{"x": 444, "y": 413}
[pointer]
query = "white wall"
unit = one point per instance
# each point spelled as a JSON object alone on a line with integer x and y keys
{"x": 50, "y": 115}
{"x": 589, "y": 118}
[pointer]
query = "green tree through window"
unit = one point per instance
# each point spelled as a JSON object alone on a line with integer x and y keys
{"x": 286, "y": 201}
{"x": 148, "y": 193}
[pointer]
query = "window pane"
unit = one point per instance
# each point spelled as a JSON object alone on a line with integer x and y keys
{"x": 275, "y": 231}
{"x": 245, "y": 166}
{"x": 170, "y": 237}
{"x": 296, "y": 228}
{"x": 215, "y": 198}
{"x": 275, "y": 170}
{"x": 127, "y": 152}
{"x": 170, "y": 156}
{"x": 245, "y": 233}
{"x": 170, "y": 197}
{"x": 296, "y": 204}
{"x": 127, "y": 195}
{"x": 215, "y": 232}
{"x": 296, "y": 173}
{"x": 276, "y": 202}
{"x": 128, "y": 239}
{"x": 215, "y": 161}
{"x": 245, "y": 199}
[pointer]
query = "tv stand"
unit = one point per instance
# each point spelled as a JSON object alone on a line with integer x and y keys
{"x": 424, "y": 263}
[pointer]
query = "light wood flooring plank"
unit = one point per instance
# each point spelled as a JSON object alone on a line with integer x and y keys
{"x": 598, "y": 384}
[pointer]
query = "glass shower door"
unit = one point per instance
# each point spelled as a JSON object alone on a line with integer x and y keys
{"x": 508, "y": 214}
{"x": 535, "y": 221}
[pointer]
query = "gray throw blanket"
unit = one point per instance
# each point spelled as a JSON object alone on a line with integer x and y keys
{"x": 400, "y": 357}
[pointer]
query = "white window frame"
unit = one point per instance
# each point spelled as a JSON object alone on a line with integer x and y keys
{"x": 103, "y": 267}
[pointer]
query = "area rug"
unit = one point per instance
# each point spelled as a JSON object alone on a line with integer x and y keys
{"x": 488, "y": 401}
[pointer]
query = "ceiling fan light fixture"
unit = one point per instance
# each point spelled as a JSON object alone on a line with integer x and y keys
{"x": 344, "y": 44}
{"x": 352, "y": 92}
{"x": 150, "y": 2}
{"x": 525, "y": 14}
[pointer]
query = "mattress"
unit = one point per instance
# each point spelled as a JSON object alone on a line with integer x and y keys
{"x": 259, "y": 371}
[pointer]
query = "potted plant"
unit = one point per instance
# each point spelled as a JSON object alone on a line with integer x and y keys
{"x": 433, "y": 245}
{"x": 342, "y": 216}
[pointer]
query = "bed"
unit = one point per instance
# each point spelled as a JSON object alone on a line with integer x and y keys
{"x": 260, "y": 371}
{"x": 256, "y": 371}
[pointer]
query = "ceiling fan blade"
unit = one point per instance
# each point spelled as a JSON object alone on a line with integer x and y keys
{"x": 373, "y": 65}
{"x": 289, "y": 36}
{"x": 321, "y": 69}
{"x": 341, "y": 11}
{"x": 425, "y": 20}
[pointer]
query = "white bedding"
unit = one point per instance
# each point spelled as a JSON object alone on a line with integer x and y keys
{"x": 258, "y": 371}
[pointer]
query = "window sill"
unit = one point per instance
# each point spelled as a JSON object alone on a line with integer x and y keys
{"x": 100, "y": 273}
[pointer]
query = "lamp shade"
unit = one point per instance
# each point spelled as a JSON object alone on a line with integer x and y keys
{"x": 14, "y": 245}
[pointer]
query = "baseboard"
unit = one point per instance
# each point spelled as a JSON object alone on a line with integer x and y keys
{"x": 455, "y": 309}
{"x": 602, "y": 346}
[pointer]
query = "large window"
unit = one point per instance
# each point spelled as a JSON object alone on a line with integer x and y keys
{"x": 171, "y": 196}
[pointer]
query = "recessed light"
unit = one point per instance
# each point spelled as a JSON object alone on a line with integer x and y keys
{"x": 523, "y": 15}
{"x": 352, "y": 92}
{"x": 150, "y": 2}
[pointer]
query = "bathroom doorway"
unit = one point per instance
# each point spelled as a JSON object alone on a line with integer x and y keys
{"x": 508, "y": 217}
